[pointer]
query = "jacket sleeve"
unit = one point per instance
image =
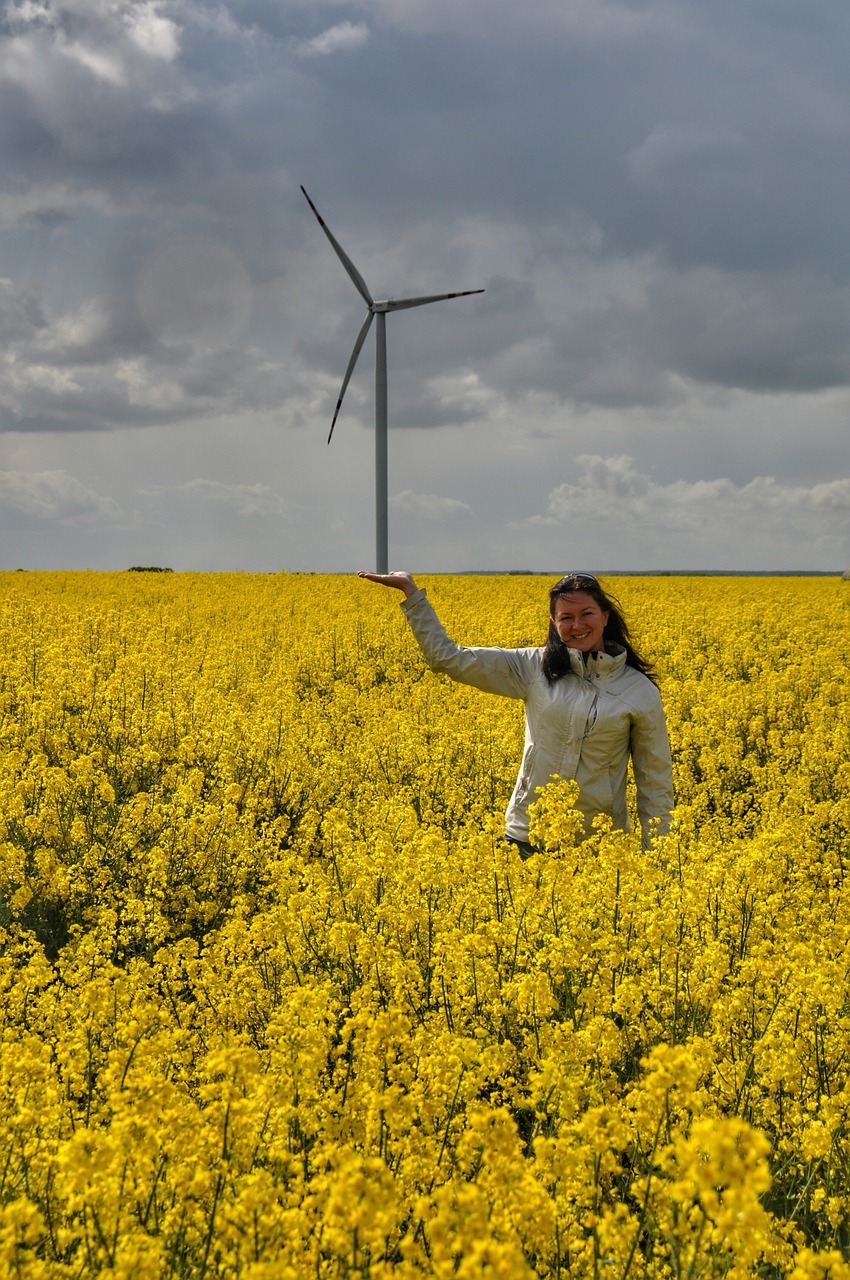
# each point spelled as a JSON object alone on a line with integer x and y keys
{"x": 653, "y": 770}
{"x": 505, "y": 671}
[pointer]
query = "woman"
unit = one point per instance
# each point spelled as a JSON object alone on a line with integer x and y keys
{"x": 591, "y": 703}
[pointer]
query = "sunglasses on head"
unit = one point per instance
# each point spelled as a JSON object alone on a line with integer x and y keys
{"x": 576, "y": 581}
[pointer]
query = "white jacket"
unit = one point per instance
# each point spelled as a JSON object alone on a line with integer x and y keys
{"x": 586, "y": 726}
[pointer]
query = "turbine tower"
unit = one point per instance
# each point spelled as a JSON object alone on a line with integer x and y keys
{"x": 380, "y": 310}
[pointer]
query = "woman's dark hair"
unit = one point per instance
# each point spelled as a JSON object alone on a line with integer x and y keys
{"x": 556, "y": 655}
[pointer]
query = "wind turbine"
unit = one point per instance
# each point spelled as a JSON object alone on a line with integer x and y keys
{"x": 380, "y": 310}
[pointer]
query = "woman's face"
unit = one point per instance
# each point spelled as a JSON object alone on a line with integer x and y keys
{"x": 579, "y": 621}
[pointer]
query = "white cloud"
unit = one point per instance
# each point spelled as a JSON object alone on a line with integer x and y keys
{"x": 429, "y": 506}
{"x": 673, "y": 147}
{"x": 253, "y": 501}
{"x": 152, "y": 32}
{"x": 103, "y": 64}
{"x": 615, "y": 486}
{"x": 613, "y": 495}
{"x": 144, "y": 22}
{"x": 115, "y": 44}
{"x": 343, "y": 37}
{"x": 97, "y": 366}
{"x": 55, "y": 496}
{"x": 52, "y": 203}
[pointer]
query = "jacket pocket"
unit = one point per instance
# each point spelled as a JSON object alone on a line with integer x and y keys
{"x": 526, "y": 773}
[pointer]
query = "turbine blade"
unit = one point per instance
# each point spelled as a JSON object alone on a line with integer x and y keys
{"x": 403, "y": 303}
{"x": 358, "y": 347}
{"x": 359, "y": 282}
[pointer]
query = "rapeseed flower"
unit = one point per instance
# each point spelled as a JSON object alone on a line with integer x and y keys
{"x": 279, "y": 1001}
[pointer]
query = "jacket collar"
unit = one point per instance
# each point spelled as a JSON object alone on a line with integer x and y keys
{"x": 601, "y": 665}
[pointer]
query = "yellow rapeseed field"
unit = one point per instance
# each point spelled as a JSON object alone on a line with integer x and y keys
{"x": 278, "y": 1002}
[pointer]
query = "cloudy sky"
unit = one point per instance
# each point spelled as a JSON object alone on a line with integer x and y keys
{"x": 654, "y": 196}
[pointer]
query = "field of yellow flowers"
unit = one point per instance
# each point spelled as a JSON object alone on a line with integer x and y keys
{"x": 278, "y": 1002}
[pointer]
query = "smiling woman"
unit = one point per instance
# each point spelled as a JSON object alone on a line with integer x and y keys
{"x": 579, "y": 621}
{"x": 591, "y": 704}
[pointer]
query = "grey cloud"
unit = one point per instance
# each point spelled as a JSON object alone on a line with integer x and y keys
{"x": 703, "y": 190}
{"x": 51, "y": 204}
{"x": 788, "y": 330}
{"x": 672, "y": 151}
{"x": 653, "y": 195}
{"x": 55, "y": 496}
{"x": 77, "y": 65}
{"x": 97, "y": 367}
{"x": 643, "y": 329}
{"x": 134, "y": 392}
{"x": 21, "y": 314}
{"x": 122, "y": 97}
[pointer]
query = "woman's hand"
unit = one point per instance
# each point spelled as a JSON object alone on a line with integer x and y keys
{"x": 401, "y": 581}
